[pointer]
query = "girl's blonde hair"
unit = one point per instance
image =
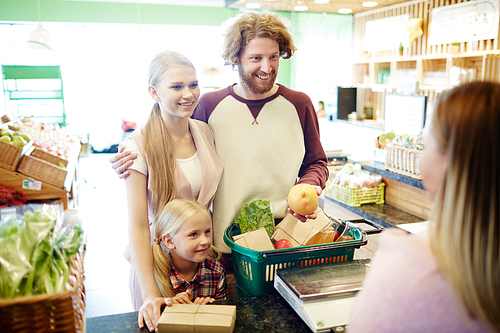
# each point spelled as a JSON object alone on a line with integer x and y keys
{"x": 167, "y": 222}
{"x": 157, "y": 143}
{"x": 250, "y": 25}
{"x": 466, "y": 209}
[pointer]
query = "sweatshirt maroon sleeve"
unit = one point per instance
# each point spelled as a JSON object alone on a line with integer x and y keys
{"x": 314, "y": 168}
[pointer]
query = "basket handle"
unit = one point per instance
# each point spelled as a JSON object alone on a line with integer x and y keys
{"x": 363, "y": 241}
{"x": 378, "y": 227}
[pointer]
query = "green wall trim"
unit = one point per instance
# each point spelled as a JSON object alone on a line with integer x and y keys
{"x": 111, "y": 12}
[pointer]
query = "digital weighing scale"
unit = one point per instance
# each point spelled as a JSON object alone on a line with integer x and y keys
{"x": 322, "y": 295}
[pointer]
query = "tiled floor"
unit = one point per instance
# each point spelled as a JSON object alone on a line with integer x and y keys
{"x": 102, "y": 204}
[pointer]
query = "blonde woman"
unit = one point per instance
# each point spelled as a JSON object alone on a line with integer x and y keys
{"x": 185, "y": 262}
{"x": 446, "y": 279}
{"x": 176, "y": 158}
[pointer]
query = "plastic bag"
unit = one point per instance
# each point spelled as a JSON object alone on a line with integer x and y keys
{"x": 34, "y": 258}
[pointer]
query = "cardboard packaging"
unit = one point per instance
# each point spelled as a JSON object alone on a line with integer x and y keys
{"x": 297, "y": 232}
{"x": 194, "y": 318}
{"x": 257, "y": 240}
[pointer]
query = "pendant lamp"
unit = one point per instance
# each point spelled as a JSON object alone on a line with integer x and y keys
{"x": 39, "y": 38}
{"x": 140, "y": 38}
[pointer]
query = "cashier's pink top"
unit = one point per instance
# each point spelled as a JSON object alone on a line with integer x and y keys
{"x": 405, "y": 291}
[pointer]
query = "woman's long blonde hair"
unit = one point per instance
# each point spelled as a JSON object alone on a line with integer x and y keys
{"x": 157, "y": 143}
{"x": 466, "y": 244}
{"x": 167, "y": 222}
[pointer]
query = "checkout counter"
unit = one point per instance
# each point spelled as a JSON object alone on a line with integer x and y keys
{"x": 272, "y": 313}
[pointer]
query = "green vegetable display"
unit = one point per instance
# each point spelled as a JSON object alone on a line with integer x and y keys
{"x": 33, "y": 258}
{"x": 255, "y": 215}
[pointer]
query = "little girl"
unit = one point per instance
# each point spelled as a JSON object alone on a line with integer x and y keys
{"x": 186, "y": 266}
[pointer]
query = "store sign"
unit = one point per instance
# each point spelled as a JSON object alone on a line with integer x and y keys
{"x": 387, "y": 33}
{"x": 464, "y": 22}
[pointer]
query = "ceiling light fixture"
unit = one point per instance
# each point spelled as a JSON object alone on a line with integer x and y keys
{"x": 345, "y": 11}
{"x": 300, "y": 8}
{"x": 252, "y": 5}
{"x": 321, "y": 2}
{"x": 369, "y": 4}
{"x": 39, "y": 38}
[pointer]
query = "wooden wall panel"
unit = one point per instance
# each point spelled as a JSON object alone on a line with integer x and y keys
{"x": 408, "y": 198}
{"x": 416, "y": 9}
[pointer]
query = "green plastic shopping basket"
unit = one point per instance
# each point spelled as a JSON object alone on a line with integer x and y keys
{"x": 254, "y": 271}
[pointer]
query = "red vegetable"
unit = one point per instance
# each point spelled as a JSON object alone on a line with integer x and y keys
{"x": 283, "y": 244}
{"x": 9, "y": 196}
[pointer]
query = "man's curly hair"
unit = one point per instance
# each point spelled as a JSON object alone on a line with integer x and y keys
{"x": 250, "y": 25}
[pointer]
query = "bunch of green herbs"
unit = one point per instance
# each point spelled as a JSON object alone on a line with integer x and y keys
{"x": 255, "y": 215}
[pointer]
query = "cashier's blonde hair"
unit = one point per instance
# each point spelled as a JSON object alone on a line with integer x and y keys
{"x": 158, "y": 146}
{"x": 466, "y": 241}
{"x": 250, "y": 25}
{"x": 168, "y": 222}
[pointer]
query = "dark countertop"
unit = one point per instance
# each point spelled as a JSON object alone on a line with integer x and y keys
{"x": 267, "y": 313}
{"x": 383, "y": 214}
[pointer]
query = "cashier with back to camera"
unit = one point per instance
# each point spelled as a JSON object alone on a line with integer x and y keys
{"x": 446, "y": 279}
{"x": 266, "y": 135}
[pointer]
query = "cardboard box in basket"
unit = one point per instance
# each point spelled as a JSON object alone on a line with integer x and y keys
{"x": 195, "y": 318}
{"x": 297, "y": 232}
{"x": 257, "y": 240}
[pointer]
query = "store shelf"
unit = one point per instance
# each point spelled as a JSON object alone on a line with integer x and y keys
{"x": 67, "y": 195}
{"x": 34, "y": 89}
{"x": 401, "y": 192}
{"x": 384, "y": 214}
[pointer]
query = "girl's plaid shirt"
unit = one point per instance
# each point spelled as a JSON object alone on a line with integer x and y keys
{"x": 209, "y": 281}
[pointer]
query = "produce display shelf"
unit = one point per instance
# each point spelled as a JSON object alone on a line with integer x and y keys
{"x": 383, "y": 214}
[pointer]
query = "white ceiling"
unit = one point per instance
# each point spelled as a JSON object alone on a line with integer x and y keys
{"x": 283, "y": 5}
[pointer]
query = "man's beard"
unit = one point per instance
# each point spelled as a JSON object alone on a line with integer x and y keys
{"x": 249, "y": 81}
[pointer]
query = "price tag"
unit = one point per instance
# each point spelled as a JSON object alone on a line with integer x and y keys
{"x": 31, "y": 184}
{"x": 7, "y": 213}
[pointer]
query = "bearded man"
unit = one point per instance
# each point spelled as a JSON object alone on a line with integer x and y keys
{"x": 266, "y": 135}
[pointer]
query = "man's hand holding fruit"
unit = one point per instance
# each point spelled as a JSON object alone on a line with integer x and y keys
{"x": 303, "y": 201}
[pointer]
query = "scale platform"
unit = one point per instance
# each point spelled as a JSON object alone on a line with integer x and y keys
{"x": 322, "y": 295}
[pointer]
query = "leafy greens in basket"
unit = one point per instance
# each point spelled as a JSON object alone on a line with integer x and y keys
{"x": 33, "y": 258}
{"x": 255, "y": 215}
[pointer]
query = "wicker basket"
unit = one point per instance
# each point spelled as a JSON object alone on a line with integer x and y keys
{"x": 10, "y": 154}
{"x": 404, "y": 161}
{"x": 54, "y": 313}
{"x": 42, "y": 170}
{"x": 37, "y": 152}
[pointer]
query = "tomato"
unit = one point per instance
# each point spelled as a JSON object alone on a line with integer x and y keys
{"x": 283, "y": 244}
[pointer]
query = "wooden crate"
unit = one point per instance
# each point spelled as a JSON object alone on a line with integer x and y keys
{"x": 10, "y": 154}
{"x": 37, "y": 152}
{"x": 42, "y": 170}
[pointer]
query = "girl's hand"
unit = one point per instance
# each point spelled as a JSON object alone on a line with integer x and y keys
{"x": 204, "y": 300}
{"x": 150, "y": 312}
{"x": 182, "y": 298}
